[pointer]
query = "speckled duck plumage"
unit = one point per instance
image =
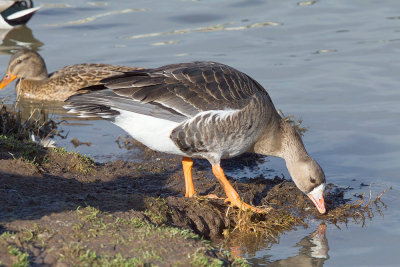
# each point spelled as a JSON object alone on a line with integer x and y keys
{"x": 34, "y": 81}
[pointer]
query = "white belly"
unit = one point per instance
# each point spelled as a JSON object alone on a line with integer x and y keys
{"x": 150, "y": 131}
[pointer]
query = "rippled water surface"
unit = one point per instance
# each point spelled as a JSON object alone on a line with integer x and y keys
{"x": 335, "y": 64}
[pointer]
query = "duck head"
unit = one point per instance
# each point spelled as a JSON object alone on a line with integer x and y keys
{"x": 25, "y": 64}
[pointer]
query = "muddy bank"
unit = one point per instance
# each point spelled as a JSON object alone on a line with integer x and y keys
{"x": 61, "y": 207}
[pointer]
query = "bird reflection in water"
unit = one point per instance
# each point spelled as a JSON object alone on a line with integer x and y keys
{"x": 15, "y": 38}
{"x": 313, "y": 250}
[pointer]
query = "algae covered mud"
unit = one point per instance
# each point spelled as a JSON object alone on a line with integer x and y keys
{"x": 331, "y": 63}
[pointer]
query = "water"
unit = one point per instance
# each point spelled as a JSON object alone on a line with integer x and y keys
{"x": 333, "y": 63}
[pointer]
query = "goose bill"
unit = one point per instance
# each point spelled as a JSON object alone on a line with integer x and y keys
{"x": 317, "y": 197}
{"x": 7, "y": 79}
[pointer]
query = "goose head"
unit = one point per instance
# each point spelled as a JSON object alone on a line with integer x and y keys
{"x": 310, "y": 179}
{"x": 304, "y": 170}
{"x": 280, "y": 139}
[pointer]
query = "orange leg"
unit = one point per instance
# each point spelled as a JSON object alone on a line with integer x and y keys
{"x": 232, "y": 195}
{"x": 187, "y": 172}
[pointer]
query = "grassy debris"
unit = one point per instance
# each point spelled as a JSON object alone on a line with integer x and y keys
{"x": 359, "y": 211}
{"x": 70, "y": 161}
{"x": 11, "y": 124}
{"x": 18, "y": 139}
{"x": 296, "y": 123}
{"x": 16, "y": 135}
{"x": 269, "y": 225}
{"x": 289, "y": 208}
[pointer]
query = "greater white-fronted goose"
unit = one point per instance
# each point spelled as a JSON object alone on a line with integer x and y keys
{"x": 203, "y": 110}
{"x": 36, "y": 83}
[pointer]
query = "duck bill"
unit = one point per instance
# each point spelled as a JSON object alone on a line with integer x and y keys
{"x": 317, "y": 197}
{"x": 7, "y": 79}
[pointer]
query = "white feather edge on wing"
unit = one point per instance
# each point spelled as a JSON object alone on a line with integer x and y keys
{"x": 22, "y": 13}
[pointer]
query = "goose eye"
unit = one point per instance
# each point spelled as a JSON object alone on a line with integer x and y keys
{"x": 19, "y": 61}
{"x": 312, "y": 180}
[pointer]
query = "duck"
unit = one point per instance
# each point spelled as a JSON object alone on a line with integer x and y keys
{"x": 15, "y": 13}
{"x": 203, "y": 110}
{"x": 35, "y": 83}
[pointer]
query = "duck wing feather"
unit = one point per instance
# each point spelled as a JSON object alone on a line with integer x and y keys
{"x": 70, "y": 79}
